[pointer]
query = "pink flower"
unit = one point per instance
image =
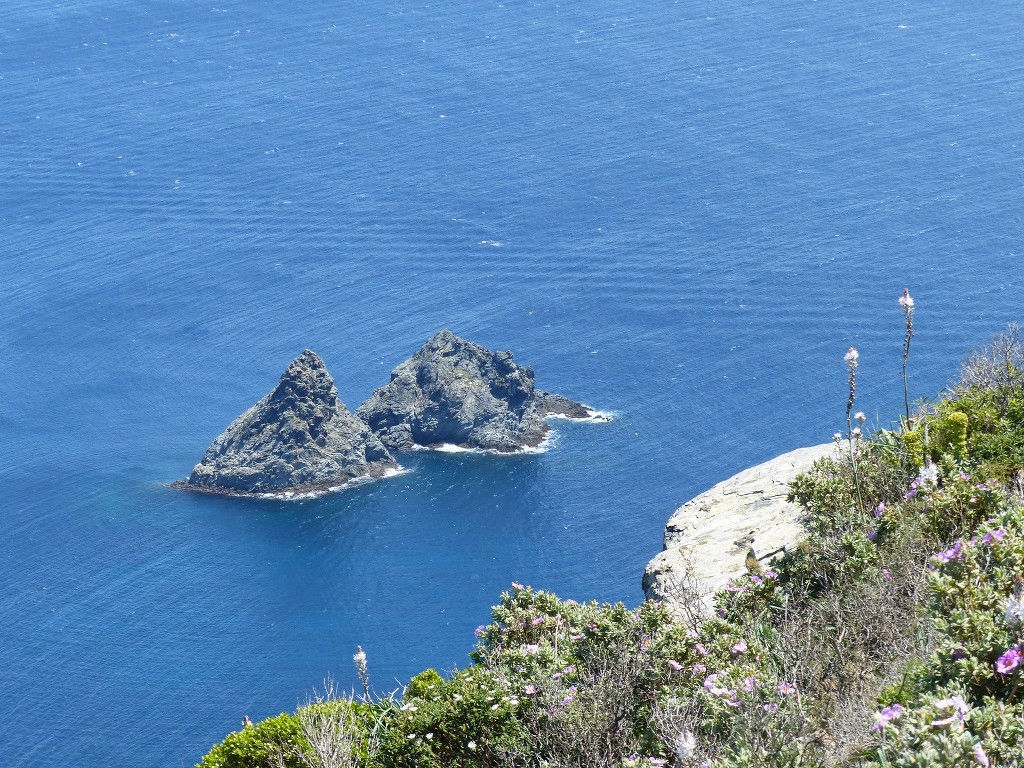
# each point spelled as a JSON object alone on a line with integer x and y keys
{"x": 953, "y": 553}
{"x": 771, "y": 707}
{"x": 532, "y": 649}
{"x": 980, "y": 756}
{"x": 740, "y": 647}
{"x": 1009, "y": 661}
{"x": 517, "y": 586}
{"x": 676, "y": 666}
{"x": 530, "y": 689}
{"x": 480, "y": 630}
{"x": 887, "y": 715}
{"x": 538, "y": 620}
{"x": 749, "y": 684}
{"x": 785, "y": 689}
{"x": 701, "y": 650}
{"x": 880, "y": 509}
{"x": 993, "y": 537}
{"x": 698, "y": 669}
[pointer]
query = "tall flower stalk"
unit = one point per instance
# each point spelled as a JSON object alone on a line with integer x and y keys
{"x": 853, "y": 434}
{"x": 360, "y": 661}
{"x": 907, "y": 303}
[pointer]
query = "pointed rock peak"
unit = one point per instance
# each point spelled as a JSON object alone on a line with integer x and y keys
{"x": 446, "y": 343}
{"x": 300, "y": 437}
{"x": 310, "y": 368}
{"x": 308, "y": 360}
{"x": 443, "y": 340}
{"x": 444, "y": 336}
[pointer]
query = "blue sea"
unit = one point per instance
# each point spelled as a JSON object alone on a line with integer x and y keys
{"x": 681, "y": 213}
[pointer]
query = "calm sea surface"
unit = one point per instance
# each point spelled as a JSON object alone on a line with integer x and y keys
{"x": 679, "y": 212}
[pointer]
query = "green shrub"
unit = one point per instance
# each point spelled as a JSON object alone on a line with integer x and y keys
{"x": 276, "y": 741}
{"x": 892, "y": 636}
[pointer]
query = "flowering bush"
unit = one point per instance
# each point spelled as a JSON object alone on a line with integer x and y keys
{"x": 892, "y": 636}
{"x": 468, "y": 720}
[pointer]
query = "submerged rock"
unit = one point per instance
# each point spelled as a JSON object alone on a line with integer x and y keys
{"x": 298, "y": 439}
{"x": 455, "y": 392}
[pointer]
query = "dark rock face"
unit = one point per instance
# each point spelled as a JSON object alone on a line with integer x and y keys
{"x": 299, "y": 438}
{"x": 453, "y": 391}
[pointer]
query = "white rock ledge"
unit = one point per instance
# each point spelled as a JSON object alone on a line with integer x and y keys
{"x": 708, "y": 538}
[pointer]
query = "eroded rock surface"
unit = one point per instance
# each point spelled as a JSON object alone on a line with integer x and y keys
{"x": 708, "y": 539}
{"x": 455, "y": 392}
{"x": 300, "y": 438}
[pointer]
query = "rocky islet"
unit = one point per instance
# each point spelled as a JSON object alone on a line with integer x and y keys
{"x": 455, "y": 392}
{"x": 302, "y": 439}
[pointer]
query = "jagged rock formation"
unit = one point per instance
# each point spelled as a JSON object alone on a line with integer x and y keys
{"x": 713, "y": 537}
{"x": 298, "y": 439}
{"x": 455, "y": 392}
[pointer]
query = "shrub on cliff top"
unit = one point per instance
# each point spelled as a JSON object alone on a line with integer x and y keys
{"x": 893, "y": 636}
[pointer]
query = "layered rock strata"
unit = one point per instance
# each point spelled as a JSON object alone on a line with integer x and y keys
{"x": 709, "y": 539}
{"x": 455, "y": 392}
{"x": 298, "y": 439}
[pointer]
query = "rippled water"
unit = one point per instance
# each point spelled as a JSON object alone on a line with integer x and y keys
{"x": 679, "y": 212}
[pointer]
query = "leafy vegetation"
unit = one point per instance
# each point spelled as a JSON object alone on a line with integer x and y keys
{"x": 893, "y": 636}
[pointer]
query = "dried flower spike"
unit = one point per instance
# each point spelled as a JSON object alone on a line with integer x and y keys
{"x": 907, "y": 303}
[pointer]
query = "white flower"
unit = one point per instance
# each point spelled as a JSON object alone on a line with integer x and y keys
{"x": 860, "y": 417}
{"x": 929, "y": 473}
{"x": 906, "y": 300}
{"x": 837, "y": 437}
{"x": 685, "y": 745}
{"x": 851, "y": 355}
{"x": 1015, "y": 608}
{"x": 856, "y": 433}
{"x": 471, "y": 745}
{"x": 957, "y": 716}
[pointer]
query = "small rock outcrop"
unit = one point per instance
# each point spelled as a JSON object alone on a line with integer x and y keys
{"x": 455, "y": 392}
{"x": 718, "y": 535}
{"x": 298, "y": 439}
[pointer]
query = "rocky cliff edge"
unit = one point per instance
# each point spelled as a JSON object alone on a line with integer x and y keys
{"x": 708, "y": 539}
